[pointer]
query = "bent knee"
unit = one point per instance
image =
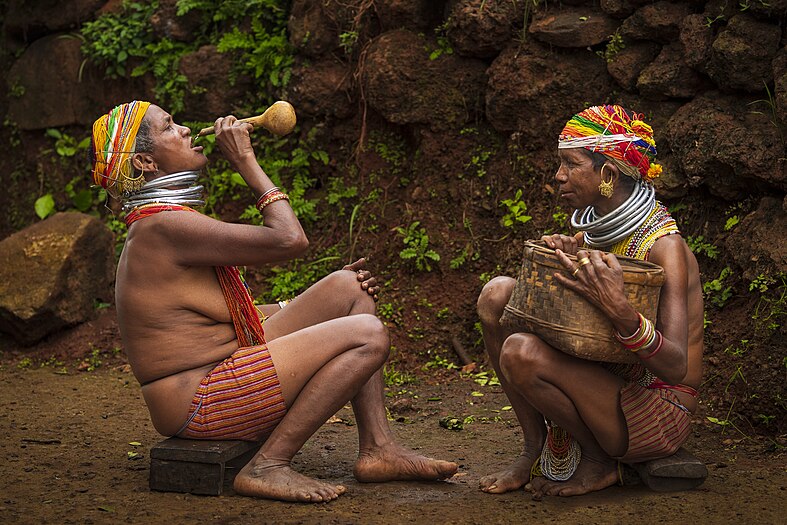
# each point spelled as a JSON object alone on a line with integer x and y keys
{"x": 493, "y": 298}
{"x": 521, "y": 356}
{"x": 373, "y": 334}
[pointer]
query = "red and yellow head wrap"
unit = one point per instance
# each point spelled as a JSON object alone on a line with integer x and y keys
{"x": 114, "y": 139}
{"x": 625, "y": 139}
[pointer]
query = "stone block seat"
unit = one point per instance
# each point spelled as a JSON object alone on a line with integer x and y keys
{"x": 680, "y": 471}
{"x": 197, "y": 466}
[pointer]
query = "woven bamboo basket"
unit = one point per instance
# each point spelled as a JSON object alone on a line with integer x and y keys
{"x": 565, "y": 319}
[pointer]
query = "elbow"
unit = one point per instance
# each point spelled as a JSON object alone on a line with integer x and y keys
{"x": 678, "y": 373}
{"x": 296, "y": 244}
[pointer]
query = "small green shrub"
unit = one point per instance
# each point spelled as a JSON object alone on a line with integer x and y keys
{"x": 614, "y": 46}
{"x": 698, "y": 246}
{"x": 287, "y": 282}
{"x": 515, "y": 211}
{"x": 416, "y": 250}
{"x": 715, "y": 291}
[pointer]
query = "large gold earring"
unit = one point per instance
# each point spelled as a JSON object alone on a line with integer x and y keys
{"x": 606, "y": 188}
{"x": 128, "y": 184}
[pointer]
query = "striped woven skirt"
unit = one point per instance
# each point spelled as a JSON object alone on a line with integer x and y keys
{"x": 239, "y": 399}
{"x": 657, "y": 423}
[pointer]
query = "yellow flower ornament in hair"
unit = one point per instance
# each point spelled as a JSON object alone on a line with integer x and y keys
{"x": 114, "y": 140}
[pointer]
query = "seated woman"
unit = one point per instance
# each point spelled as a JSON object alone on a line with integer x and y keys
{"x": 194, "y": 338}
{"x": 627, "y": 413}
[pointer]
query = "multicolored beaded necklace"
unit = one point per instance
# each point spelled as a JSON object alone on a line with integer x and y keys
{"x": 657, "y": 225}
{"x": 248, "y": 327}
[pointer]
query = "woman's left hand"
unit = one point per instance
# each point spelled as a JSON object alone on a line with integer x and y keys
{"x": 598, "y": 277}
{"x": 365, "y": 277}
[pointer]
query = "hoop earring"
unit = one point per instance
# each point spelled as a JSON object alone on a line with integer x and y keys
{"x": 132, "y": 184}
{"x": 606, "y": 188}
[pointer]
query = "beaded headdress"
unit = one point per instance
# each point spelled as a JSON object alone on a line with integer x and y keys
{"x": 625, "y": 139}
{"x": 114, "y": 140}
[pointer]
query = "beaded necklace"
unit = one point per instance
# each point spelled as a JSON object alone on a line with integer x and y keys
{"x": 655, "y": 226}
{"x": 237, "y": 294}
{"x": 561, "y": 454}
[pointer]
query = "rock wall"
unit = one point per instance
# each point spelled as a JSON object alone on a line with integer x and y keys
{"x": 712, "y": 77}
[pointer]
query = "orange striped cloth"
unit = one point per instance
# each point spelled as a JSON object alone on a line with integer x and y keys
{"x": 657, "y": 423}
{"x": 239, "y": 399}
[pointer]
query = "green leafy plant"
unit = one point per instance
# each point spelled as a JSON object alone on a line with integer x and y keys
{"x": 698, "y": 246}
{"x": 81, "y": 198}
{"x": 614, "y": 46}
{"x": 515, "y": 211}
{"x": 439, "y": 361}
{"x": 394, "y": 377}
{"x": 347, "y": 41}
{"x": 479, "y": 160}
{"x": 66, "y": 145}
{"x": 443, "y": 43}
{"x": 716, "y": 291}
{"x": 45, "y": 206}
{"x": 771, "y": 308}
{"x": 115, "y": 37}
{"x": 389, "y": 312}
{"x": 761, "y": 283}
{"x": 338, "y": 191}
{"x": 460, "y": 259}
{"x": 93, "y": 361}
{"x": 287, "y": 282}
{"x": 738, "y": 350}
{"x": 731, "y": 222}
{"x": 416, "y": 250}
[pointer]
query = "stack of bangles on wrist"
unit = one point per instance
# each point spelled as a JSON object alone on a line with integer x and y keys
{"x": 646, "y": 337}
{"x": 272, "y": 195}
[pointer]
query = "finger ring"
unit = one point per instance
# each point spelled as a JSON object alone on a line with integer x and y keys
{"x": 583, "y": 261}
{"x": 576, "y": 271}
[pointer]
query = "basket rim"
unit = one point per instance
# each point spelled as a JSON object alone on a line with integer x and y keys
{"x": 632, "y": 265}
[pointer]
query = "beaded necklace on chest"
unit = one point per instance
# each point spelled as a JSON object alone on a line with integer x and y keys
{"x": 605, "y": 230}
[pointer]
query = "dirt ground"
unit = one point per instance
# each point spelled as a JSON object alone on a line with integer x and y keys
{"x": 77, "y": 446}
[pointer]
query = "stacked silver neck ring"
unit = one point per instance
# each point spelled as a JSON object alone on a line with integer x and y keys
{"x": 176, "y": 188}
{"x": 606, "y": 230}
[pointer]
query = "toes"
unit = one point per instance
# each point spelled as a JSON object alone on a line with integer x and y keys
{"x": 323, "y": 494}
{"x": 553, "y": 490}
{"x": 449, "y": 469}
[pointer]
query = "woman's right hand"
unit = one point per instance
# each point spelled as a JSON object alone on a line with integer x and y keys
{"x": 232, "y": 138}
{"x": 558, "y": 241}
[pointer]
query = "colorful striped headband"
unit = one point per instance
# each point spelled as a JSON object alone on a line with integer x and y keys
{"x": 609, "y": 130}
{"x": 114, "y": 139}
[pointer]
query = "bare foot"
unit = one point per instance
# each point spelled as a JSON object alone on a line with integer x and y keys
{"x": 511, "y": 478}
{"x": 393, "y": 462}
{"x": 591, "y": 475}
{"x": 274, "y": 479}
